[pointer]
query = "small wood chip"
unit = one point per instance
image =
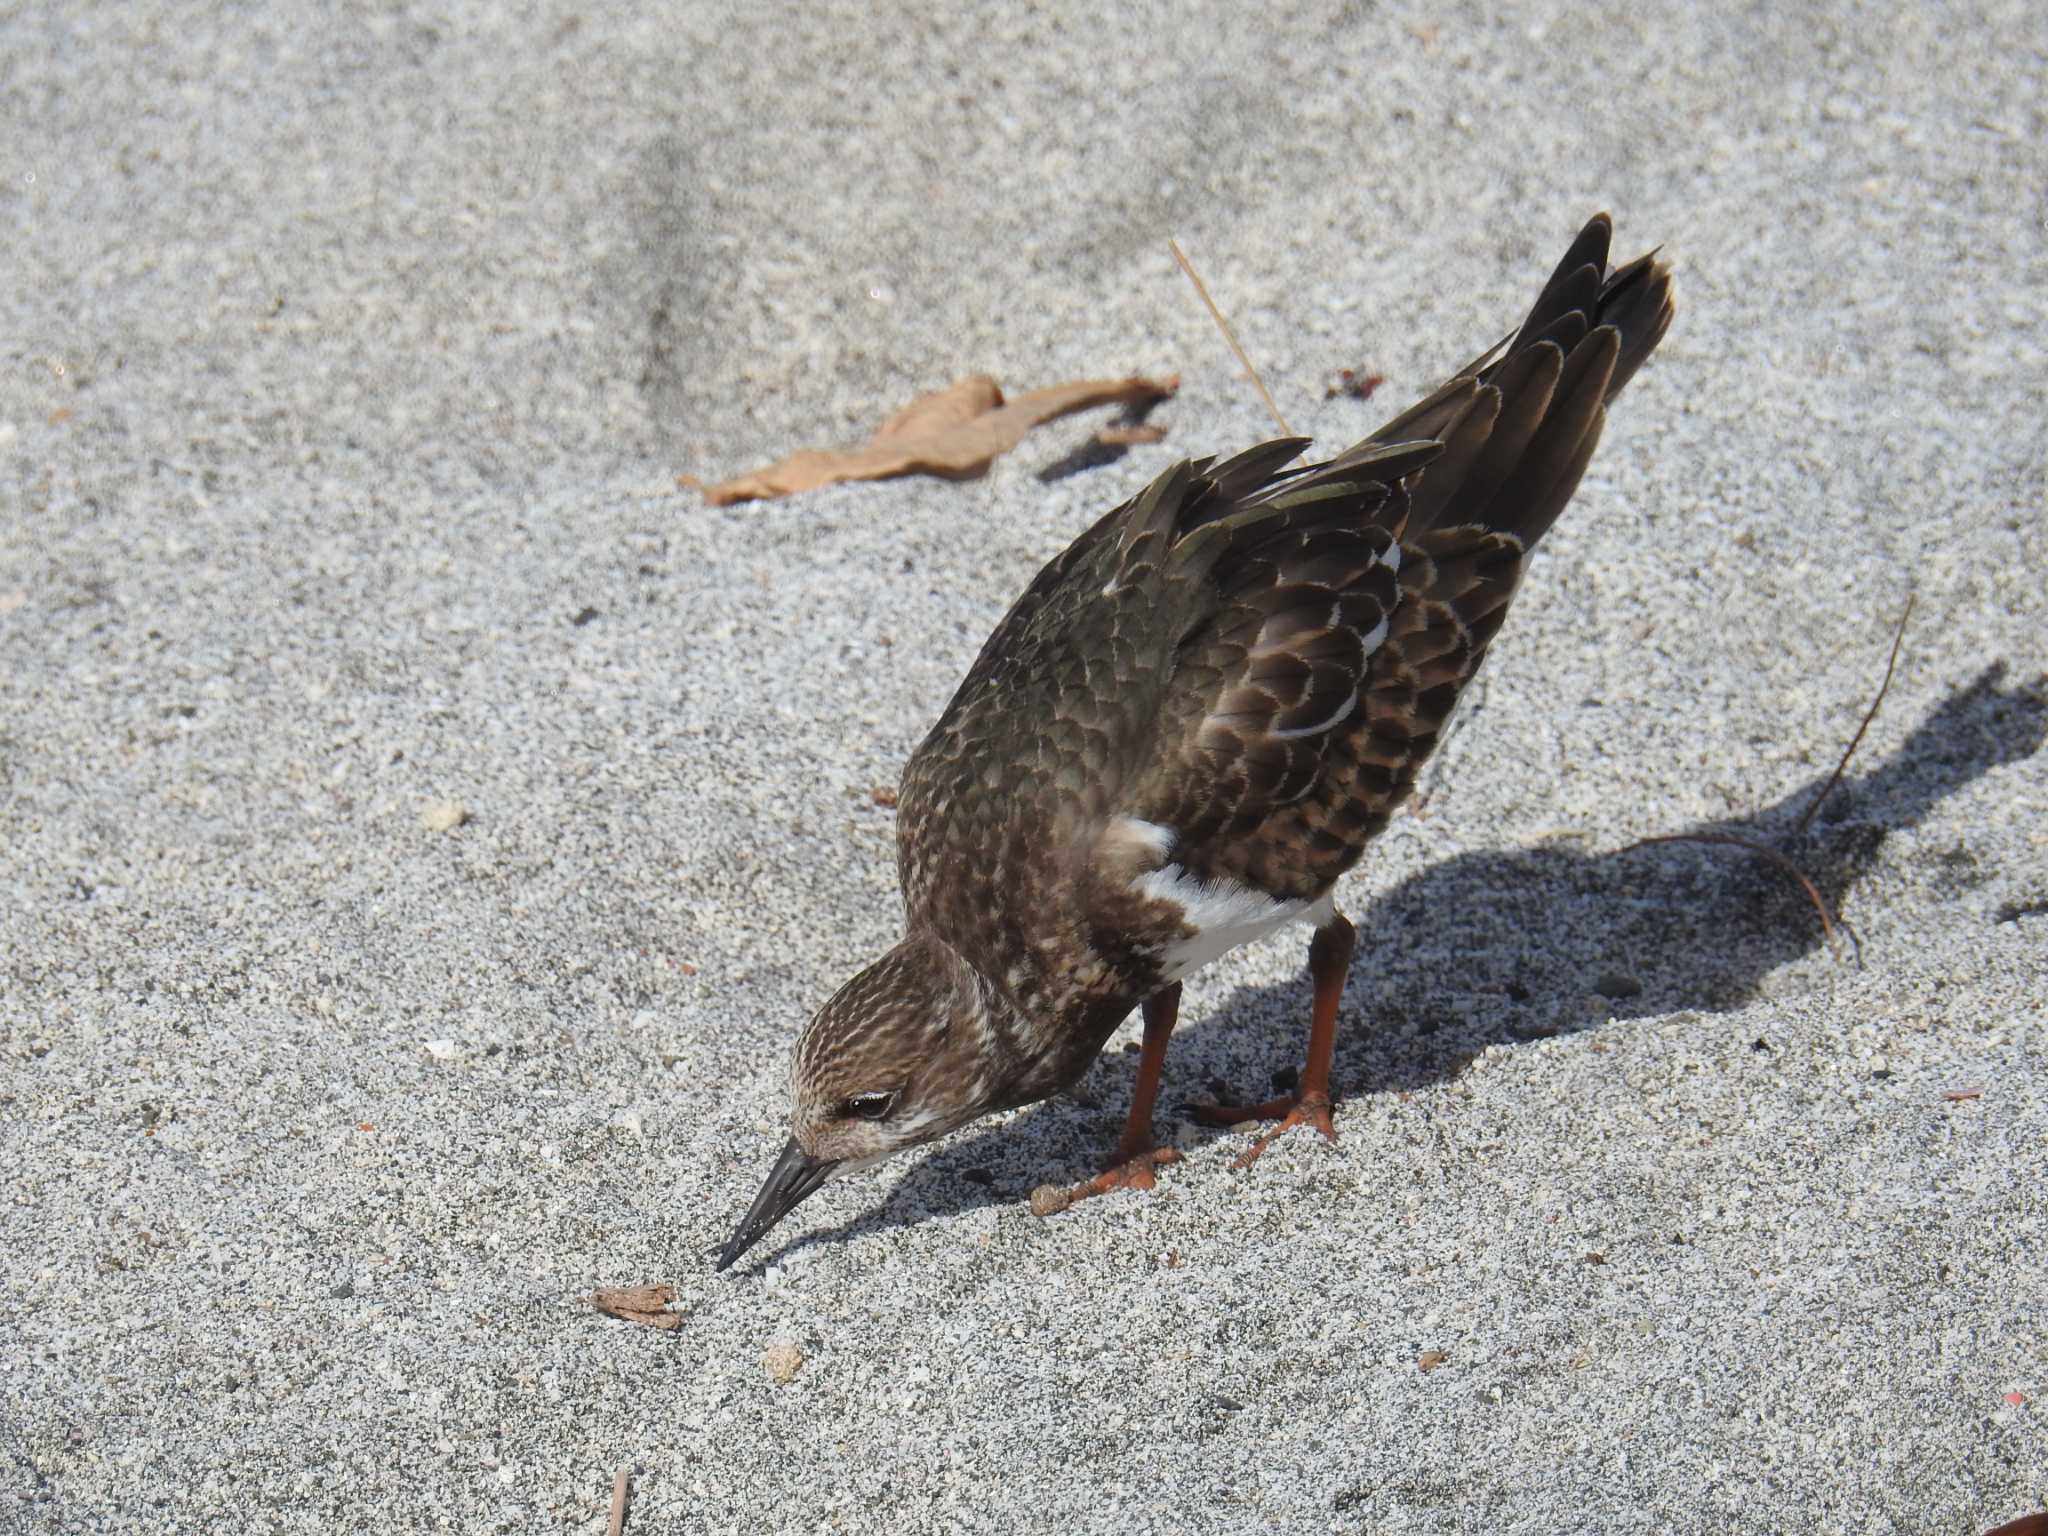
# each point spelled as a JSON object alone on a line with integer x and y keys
{"x": 782, "y": 1360}
{"x": 1430, "y": 1359}
{"x": 1050, "y": 1199}
{"x": 883, "y": 794}
{"x": 617, "y": 1523}
{"x": 1963, "y": 1095}
{"x": 646, "y": 1305}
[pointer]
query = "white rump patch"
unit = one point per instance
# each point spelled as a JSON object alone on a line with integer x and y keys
{"x": 1223, "y": 913}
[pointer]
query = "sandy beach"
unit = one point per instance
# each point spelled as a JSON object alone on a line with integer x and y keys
{"x": 425, "y": 823}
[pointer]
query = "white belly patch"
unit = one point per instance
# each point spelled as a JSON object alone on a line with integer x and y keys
{"x": 1223, "y": 913}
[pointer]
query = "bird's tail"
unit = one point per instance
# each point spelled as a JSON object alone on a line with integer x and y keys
{"x": 1520, "y": 421}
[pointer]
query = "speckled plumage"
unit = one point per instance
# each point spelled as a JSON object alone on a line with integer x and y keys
{"x": 1203, "y": 709}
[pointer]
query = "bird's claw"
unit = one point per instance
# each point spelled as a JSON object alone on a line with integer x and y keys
{"x": 1310, "y": 1109}
{"x": 1133, "y": 1172}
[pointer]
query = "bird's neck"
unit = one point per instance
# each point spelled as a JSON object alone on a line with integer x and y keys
{"x": 1039, "y": 1032}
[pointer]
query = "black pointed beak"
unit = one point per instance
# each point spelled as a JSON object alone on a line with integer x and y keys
{"x": 795, "y": 1175}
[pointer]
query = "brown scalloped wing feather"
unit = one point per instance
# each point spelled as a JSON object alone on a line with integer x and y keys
{"x": 1324, "y": 631}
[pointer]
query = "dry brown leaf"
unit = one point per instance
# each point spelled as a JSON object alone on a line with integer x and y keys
{"x": 643, "y": 1304}
{"x": 944, "y": 409}
{"x": 956, "y": 432}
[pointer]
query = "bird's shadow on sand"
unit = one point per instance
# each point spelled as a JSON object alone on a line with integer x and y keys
{"x": 1518, "y": 945}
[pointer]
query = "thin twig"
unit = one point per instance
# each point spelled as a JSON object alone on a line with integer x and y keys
{"x": 1898, "y": 638}
{"x": 618, "y": 1520}
{"x": 1764, "y": 851}
{"x": 1230, "y": 336}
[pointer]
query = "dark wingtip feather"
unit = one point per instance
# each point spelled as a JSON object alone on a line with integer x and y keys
{"x": 1637, "y": 302}
{"x": 1519, "y": 471}
{"x": 1239, "y": 476}
{"x": 1535, "y": 491}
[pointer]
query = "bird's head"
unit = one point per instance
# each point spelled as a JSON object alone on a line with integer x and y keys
{"x": 898, "y": 1057}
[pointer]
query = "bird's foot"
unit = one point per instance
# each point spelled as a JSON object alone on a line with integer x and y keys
{"x": 1132, "y": 1172}
{"x": 1291, "y": 1110}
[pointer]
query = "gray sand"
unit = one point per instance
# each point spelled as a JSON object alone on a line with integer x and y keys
{"x": 350, "y": 366}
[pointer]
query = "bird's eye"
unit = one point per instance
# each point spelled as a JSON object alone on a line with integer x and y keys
{"x": 869, "y": 1106}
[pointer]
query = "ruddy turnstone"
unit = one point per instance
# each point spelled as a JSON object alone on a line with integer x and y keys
{"x": 1185, "y": 730}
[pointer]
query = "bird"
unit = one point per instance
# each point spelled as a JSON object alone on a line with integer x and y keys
{"x": 1185, "y": 731}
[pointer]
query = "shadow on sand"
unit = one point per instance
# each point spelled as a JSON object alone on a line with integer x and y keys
{"x": 1507, "y": 946}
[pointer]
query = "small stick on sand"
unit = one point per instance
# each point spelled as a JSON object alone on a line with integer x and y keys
{"x": 1229, "y": 335}
{"x": 619, "y": 1485}
{"x": 1765, "y": 851}
{"x": 1898, "y": 638}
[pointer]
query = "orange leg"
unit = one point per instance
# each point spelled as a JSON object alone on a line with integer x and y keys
{"x": 1136, "y": 1156}
{"x": 1329, "y": 961}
